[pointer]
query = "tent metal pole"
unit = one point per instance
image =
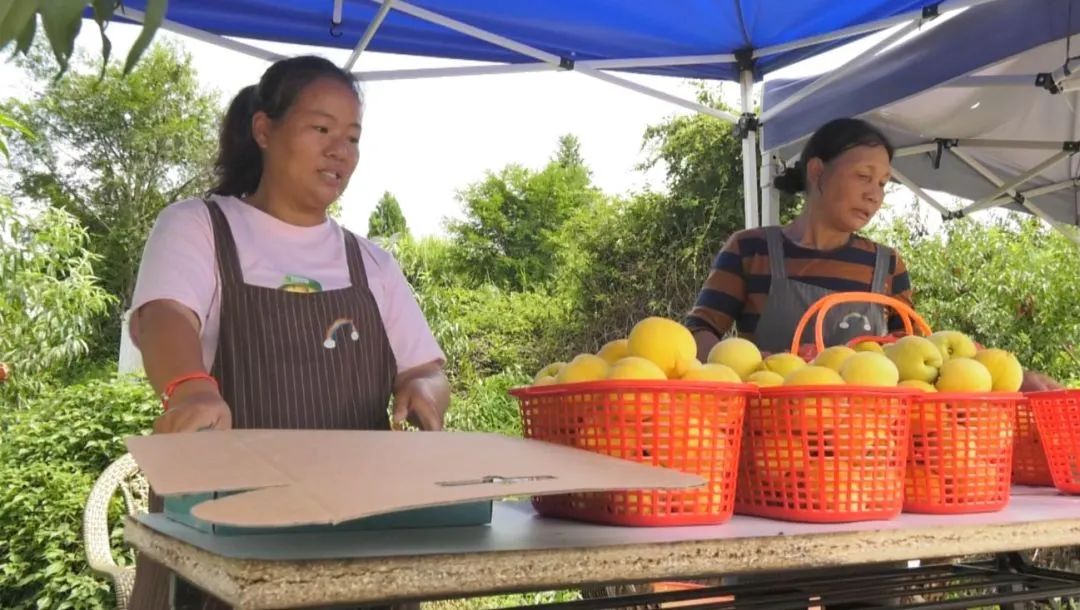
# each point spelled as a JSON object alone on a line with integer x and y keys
{"x": 988, "y": 201}
{"x": 749, "y": 153}
{"x": 204, "y": 36}
{"x": 657, "y": 62}
{"x": 598, "y": 64}
{"x": 421, "y": 73}
{"x": 840, "y": 72}
{"x": 369, "y": 34}
{"x": 917, "y": 149}
{"x": 553, "y": 59}
{"x": 993, "y": 178}
{"x": 979, "y": 168}
{"x": 864, "y": 28}
{"x": 661, "y": 95}
{"x": 1066, "y": 230}
{"x": 1036, "y": 192}
{"x": 1015, "y": 144}
{"x": 770, "y": 196}
{"x": 991, "y": 80}
{"x": 919, "y": 192}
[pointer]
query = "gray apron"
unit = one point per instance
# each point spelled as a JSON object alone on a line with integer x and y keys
{"x": 788, "y": 301}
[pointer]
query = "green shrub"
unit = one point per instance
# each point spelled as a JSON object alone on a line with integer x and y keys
{"x": 506, "y": 329}
{"x": 84, "y": 424}
{"x": 486, "y": 406}
{"x": 50, "y": 454}
{"x": 42, "y": 561}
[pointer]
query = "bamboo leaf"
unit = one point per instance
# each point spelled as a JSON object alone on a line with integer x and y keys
{"x": 15, "y": 18}
{"x": 155, "y": 14}
{"x": 5, "y": 6}
{"x": 103, "y": 12}
{"x": 62, "y": 20}
{"x": 10, "y": 123}
{"x": 26, "y": 38}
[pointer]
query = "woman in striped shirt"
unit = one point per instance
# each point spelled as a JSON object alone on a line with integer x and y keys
{"x": 765, "y": 279}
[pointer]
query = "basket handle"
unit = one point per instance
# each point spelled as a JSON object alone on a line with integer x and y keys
{"x": 907, "y": 314}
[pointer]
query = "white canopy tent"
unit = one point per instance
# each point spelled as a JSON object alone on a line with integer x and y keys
{"x": 982, "y": 106}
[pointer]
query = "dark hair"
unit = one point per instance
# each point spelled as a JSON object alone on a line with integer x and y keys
{"x": 829, "y": 142}
{"x": 239, "y": 166}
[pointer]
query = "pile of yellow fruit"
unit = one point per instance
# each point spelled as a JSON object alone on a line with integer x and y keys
{"x": 658, "y": 348}
{"x": 946, "y": 361}
{"x": 655, "y": 349}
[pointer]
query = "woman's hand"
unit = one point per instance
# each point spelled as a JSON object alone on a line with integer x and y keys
{"x": 1037, "y": 382}
{"x": 421, "y": 396}
{"x": 196, "y": 410}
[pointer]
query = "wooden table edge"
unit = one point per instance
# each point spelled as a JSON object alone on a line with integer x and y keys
{"x": 258, "y": 585}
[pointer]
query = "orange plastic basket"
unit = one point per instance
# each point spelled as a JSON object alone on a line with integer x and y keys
{"x": 827, "y": 454}
{"x": 1057, "y": 414}
{"x": 824, "y": 454}
{"x": 1029, "y": 456}
{"x": 961, "y": 452}
{"x": 690, "y": 426}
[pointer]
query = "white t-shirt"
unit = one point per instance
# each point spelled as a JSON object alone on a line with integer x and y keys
{"x": 180, "y": 263}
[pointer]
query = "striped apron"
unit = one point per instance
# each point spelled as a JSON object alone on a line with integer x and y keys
{"x": 288, "y": 360}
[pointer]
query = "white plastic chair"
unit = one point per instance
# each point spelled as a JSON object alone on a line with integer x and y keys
{"x": 124, "y": 474}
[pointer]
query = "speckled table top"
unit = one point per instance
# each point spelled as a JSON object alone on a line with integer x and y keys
{"x": 521, "y": 551}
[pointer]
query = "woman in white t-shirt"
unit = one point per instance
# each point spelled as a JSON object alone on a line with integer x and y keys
{"x": 253, "y": 309}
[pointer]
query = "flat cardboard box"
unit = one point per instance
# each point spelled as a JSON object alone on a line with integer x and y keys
{"x": 286, "y": 478}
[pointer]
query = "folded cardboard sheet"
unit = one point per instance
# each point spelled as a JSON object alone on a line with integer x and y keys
{"x": 313, "y": 477}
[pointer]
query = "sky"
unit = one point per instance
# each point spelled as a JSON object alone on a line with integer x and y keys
{"x": 425, "y": 140}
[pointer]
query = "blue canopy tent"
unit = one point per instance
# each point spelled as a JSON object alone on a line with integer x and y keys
{"x": 982, "y": 106}
{"x": 739, "y": 40}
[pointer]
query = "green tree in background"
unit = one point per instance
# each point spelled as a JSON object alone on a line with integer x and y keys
{"x": 386, "y": 219}
{"x": 648, "y": 254}
{"x": 114, "y": 150}
{"x": 512, "y": 231}
{"x": 50, "y": 300}
{"x": 1008, "y": 282}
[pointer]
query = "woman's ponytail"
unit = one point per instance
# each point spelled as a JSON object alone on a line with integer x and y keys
{"x": 239, "y": 162}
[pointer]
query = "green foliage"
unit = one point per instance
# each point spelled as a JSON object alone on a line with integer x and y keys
{"x": 386, "y": 219}
{"x": 511, "y": 233}
{"x": 486, "y": 406}
{"x": 62, "y": 20}
{"x": 82, "y": 424}
{"x": 482, "y": 330}
{"x": 649, "y": 254}
{"x": 508, "y": 329}
{"x": 42, "y": 563}
{"x": 1009, "y": 283}
{"x": 50, "y": 300}
{"x": 7, "y": 125}
{"x": 50, "y": 455}
{"x": 113, "y": 151}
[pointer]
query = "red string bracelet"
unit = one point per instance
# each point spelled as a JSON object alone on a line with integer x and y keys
{"x": 175, "y": 383}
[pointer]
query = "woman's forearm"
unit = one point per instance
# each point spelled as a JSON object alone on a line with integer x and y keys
{"x": 167, "y": 334}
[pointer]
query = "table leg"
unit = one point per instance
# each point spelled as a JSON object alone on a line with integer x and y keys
{"x": 183, "y": 595}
